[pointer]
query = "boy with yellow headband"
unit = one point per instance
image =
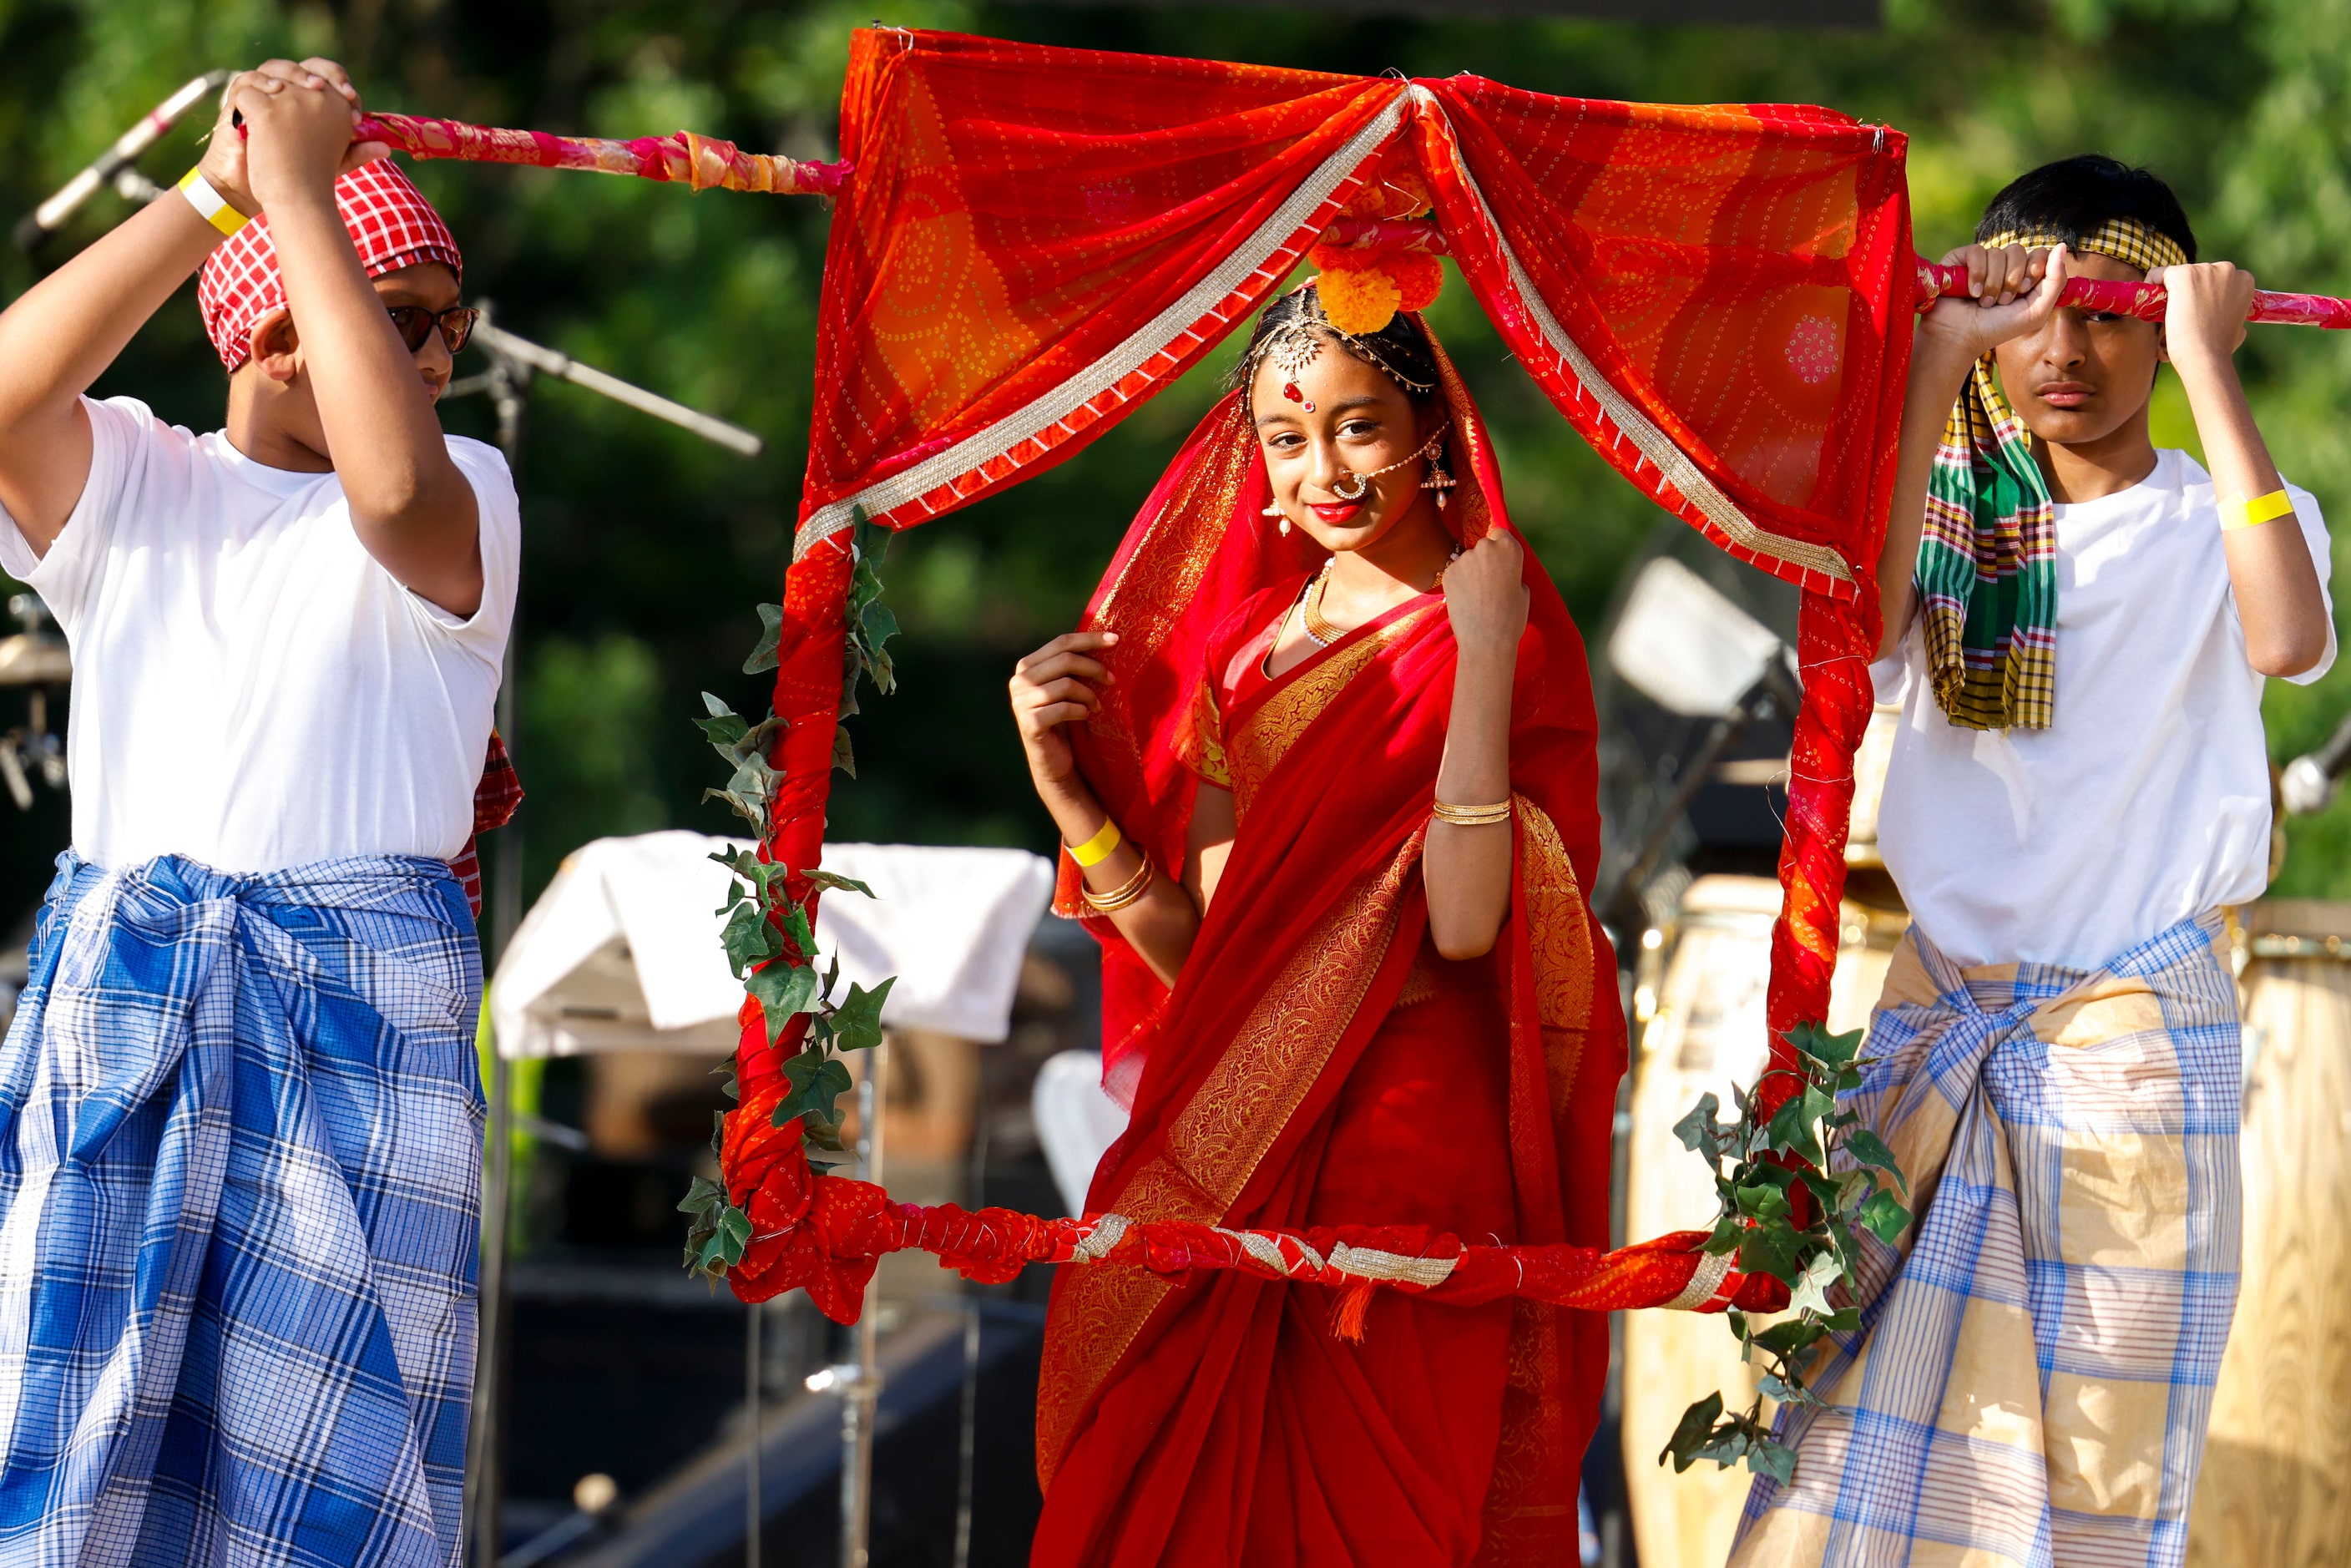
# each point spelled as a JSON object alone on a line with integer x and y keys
{"x": 2077, "y": 628}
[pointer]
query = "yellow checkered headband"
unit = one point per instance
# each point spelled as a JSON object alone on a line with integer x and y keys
{"x": 2125, "y": 239}
{"x": 1987, "y": 562}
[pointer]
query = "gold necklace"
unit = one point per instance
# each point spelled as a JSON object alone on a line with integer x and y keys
{"x": 1310, "y": 604}
{"x": 1310, "y": 608}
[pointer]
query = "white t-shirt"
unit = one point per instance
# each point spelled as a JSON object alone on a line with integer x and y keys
{"x": 251, "y": 689}
{"x": 2147, "y": 800}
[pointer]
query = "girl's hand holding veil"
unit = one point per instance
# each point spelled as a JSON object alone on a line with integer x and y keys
{"x": 1058, "y": 683}
{"x": 1156, "y": 908}
{"x": 1486, "y": 596}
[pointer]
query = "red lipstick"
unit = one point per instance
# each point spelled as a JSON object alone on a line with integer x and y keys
{"x": 1334, "y": 514}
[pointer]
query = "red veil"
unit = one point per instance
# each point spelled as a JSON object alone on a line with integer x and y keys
{"x": 1236, "y": 1076}
{"x": 1036, "y": 240}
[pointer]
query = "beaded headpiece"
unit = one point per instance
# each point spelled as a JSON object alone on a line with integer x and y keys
{"x": 1295, "y": 344}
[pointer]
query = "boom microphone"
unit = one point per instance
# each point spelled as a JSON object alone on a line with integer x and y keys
{"x": 115, "y": 163}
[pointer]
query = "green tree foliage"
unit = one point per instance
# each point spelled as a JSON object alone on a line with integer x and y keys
{"x": 639, "y": 532}
{"x": 591, "y": 723}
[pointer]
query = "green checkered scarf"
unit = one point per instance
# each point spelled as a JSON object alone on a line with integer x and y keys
{"x": 1987, "y": 575}
{"x": 1988, "y": 568}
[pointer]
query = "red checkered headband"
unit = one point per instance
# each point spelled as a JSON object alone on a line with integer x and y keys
{"x": 393, "y": 226}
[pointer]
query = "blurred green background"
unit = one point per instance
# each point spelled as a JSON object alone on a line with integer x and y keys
{"x": 645, "y": 549}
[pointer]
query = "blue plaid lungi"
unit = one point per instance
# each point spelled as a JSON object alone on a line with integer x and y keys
{"x": 240, "y": 1173}
{"x": 2034, "y": 1374}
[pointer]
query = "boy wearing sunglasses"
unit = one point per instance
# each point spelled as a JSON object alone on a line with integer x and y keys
{"x": 240, "y": 1154}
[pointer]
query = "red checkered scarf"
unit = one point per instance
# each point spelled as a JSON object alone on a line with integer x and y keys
{"x": 494, "y": 799}
{"x": 391, "y": 224}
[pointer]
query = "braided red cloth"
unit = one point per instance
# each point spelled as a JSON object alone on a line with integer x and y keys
{"x": 824, "y": 1235}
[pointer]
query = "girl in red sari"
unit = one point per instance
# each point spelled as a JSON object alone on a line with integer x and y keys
{"x": 1322, "y": 754}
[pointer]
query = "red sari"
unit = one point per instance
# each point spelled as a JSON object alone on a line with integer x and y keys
{"x": 1318, "y": 1064}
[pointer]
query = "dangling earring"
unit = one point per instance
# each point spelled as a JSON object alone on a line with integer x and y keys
{"x": 1274, "y": 509}
{"x": 1438, "y": 479}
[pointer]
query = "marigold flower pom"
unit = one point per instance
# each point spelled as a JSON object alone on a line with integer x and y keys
{"x": 1363, "y": 284}
{"x": 1358, "y": 302}
{"x": 1420, "y": 277}
{"x": 1328, "y": 258}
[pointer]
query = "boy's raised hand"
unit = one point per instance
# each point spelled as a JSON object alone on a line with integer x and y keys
{"x": 316, "y": 90}
{"x": 2206, "y": 308}
{"x": 2272, "y": 576}
{"x": 2012, "y": 290}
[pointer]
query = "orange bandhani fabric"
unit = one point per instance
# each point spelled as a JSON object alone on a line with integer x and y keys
{"x": 1035, "y": 240}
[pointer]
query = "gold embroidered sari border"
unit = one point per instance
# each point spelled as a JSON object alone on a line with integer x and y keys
{"x": 1223, "y": 1134}
{"x": 1559, "y": 938}
{"x": 1261, "y": 735}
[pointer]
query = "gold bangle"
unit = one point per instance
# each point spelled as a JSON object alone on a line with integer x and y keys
{"x": 1118, "y": 898}
{"x": 1099, "y": 847}
{"x": 2252, "y": 514}
{"x": 1470, "y": 816}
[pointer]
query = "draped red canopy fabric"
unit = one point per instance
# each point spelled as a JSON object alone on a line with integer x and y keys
{"x": 1037, "y": 239}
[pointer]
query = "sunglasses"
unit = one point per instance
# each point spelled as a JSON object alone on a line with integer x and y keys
{"x": 414, "y": 323}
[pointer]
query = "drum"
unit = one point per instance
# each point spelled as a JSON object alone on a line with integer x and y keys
{"x": 1698, "y": 1007}
{"x": 2277, "y": 1485}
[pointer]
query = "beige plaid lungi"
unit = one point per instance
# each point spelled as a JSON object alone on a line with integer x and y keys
{"x": 2034, "y": 1368}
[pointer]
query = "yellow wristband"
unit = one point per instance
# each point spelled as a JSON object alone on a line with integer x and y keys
{"x": 1098, "y": 849}
{"x": 2252, "y": 514}
{"x": 209, "y": 203}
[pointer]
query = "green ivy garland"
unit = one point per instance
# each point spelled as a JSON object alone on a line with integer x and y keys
{"x": 1773, "y": 1164}
{"x": 770, "y": 936}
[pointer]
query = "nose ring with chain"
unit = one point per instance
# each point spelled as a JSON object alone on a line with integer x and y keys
{"x": 1362, "y": 483}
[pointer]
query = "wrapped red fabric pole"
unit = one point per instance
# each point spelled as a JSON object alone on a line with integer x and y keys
{"x": 686, "y": 158}
{"x": 2146, "y": 300}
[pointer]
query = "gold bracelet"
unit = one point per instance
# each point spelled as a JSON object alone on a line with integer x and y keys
{"x": 1470, "y": 816}
{"x": 1118, "y": 898}
{"x": 210, "y": 204}
{"x": 1099, "y": 847}
{"x": 2252, "y": 514}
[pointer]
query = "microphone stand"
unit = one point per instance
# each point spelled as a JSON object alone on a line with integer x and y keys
{"x": 514, "y": 361}
{"x": 2310, "y": 781}
{"x": 1774, "y": 692}
{"x": 117, "y": 165}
